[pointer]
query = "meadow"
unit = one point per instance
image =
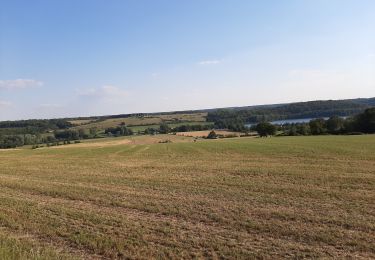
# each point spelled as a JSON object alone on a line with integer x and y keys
{"x": 290, "y": 197}
{"x": 140, "y": 123}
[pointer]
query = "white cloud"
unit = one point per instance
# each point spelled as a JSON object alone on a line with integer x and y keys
{"x": 155, "y": 74}
{"x": 107, "y": 99}
{"x": 371, "y": 55}
{"x": 20, "y": 83}
{"x": 209, "y": 62}
{"x": 49, "y": 105}
{"x": 106, "y": 91}
{"x": 5, "y": 103}
{"x": 113, "y": 91}
{"x": 306, "y": 73}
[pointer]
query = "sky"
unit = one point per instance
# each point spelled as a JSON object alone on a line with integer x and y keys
{"x": 68, "y": 58}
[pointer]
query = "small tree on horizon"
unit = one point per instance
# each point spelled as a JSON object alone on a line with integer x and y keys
{"x": 265, "y": 129}
{"x": 212, "y": 135}
{"x": 318, "y": 126}
{"x": 366, "y": 121}
{"x": 335, "y": 124}
{"x": 164, "y": 128}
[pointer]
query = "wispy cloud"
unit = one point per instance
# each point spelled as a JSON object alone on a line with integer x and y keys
{"x": 20, "y": 83}
{"x": 306, "y": 73}
{"x": 106, "y": 91}
{"x": 209, "y": 62}
{"x": 5, "y": 103}
{"x": 47, "y": 105}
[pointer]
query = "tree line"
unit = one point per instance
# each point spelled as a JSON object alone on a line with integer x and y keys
{"x": 363, "y": 123}
{"x": 232, "y": 118}
{"x": 42, "y": 124}
{"x": 55, "y": 138}
{"x": 121, "y": 130}
{"x": 164, "y": 128}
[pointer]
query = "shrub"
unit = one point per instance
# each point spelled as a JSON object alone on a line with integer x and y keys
{"x": 265, "y": 129}
{"x": 212, "y": 135}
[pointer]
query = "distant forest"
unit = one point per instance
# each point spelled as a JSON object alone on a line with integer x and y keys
{"x": 311, "y": 109}
{"x": 32, "y": 126}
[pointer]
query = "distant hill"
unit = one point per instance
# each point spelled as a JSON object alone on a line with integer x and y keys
{"x": 247, "y": 114}
{"x": 310, "y": 109}
{"x": 364, "y": 101}
{"x": 344, "y": 107}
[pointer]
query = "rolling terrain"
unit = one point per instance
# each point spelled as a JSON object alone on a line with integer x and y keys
{"x": 136, "y": 122}
{"x": 229, "y": 198}
{"x": 211, "y": 118}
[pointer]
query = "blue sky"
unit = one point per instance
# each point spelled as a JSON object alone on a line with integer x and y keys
{"x": 93, "y": 57}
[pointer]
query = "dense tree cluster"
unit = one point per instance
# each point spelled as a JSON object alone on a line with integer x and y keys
{"x": 121, "y": 130}
{"x": 67, "y": 135}
{"x": 212, "y": 135}
{"x": 365, "y": 122}
{"x": 265, "y": 129}
{"x": 235, "y": 124}
{"x": 40, "y": 123}
{"x": 35, "y": 127}
{"x": 32, "y": 126}
{"x": 11, "y": 141}
{"x": 150, "y": 131}
{"x": 164, "y": 128}
{"x": 188, "y": 128}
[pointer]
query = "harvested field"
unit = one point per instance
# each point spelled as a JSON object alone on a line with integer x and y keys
{"x": 113, "y": 122}
{"x": 80, "y": 121}
{"x": 193, "y": 117}
{"x": 287, "y": 197}
{"x": 171, "y": 125}
{"x": 142, "y": 122}
{"x": 206, "y": 132}
{"x": 133, "y": 140}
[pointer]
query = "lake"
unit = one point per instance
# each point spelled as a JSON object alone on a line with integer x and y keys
{"x": 288, "y": 121}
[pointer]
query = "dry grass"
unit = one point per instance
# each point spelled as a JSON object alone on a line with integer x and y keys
{"x": 80, "y": 121}
{"x": 194, "y": 117}
{"x": 205, "y": 133}
{"x": 290, "y": 197}
{"x": 131, "y": 140}
{"x": 141, "y": 121}
{"x": 113, "y": 122}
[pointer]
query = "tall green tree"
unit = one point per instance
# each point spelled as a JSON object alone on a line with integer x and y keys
{"x": 366, "y": 121}
{"x": 164, "y": 128}
{"x": 335, "y": 125}
{"x": 212, "y": 135}
{"x": 318, "y": 126}
{"x": 265, "y": 129}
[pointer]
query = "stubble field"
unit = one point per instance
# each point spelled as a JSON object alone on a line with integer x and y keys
{"x": 232, "y": 198}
